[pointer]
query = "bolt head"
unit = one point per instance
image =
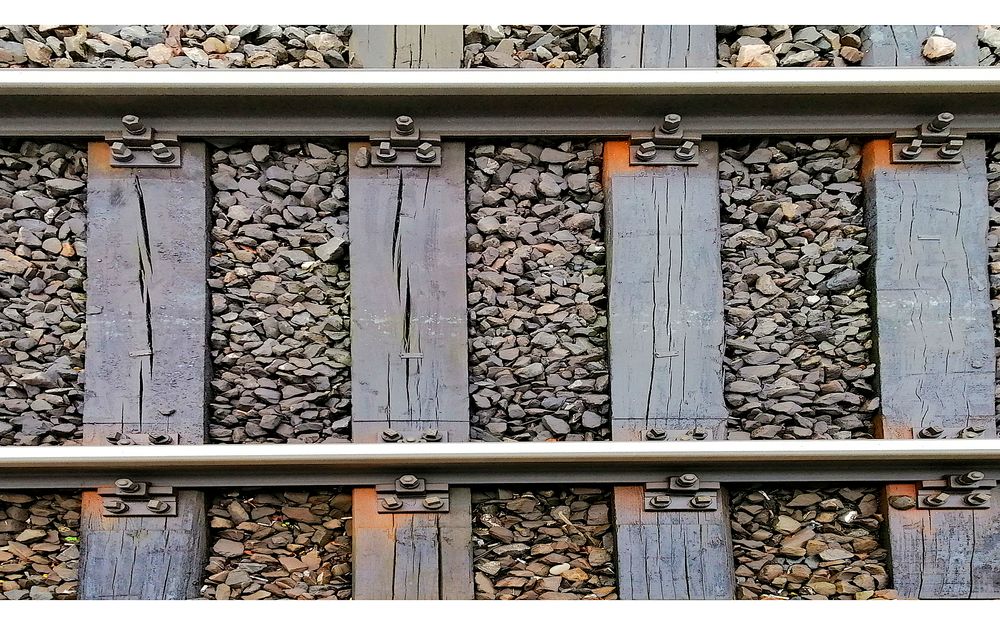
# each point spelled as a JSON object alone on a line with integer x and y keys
{"x": 158, "y": 506}
{"x": 404, "y": 125}
{"x": 433, "y": 502}
{"x": 425, "y": 152}
{"x": 432, "y": 436}
{"x": 659, "y": 501}
{"x": 121, "y": 152}
{"x": 646, "y": 151}
{"x": 390, "y": 435}
{"x": 133, "y": 124}
{"x": 656, "y": 434}
{"x": 126, "y": 484}
{"x": 115, "y": 506}
{"x": 161, "y": 153}
{"x": 972, "y": 477}
{"x": 937, "y": 500}
{"x": 688, "y": 479}
{"x": 391, "y": 502}
{"x": 685, "y": 151}
{"x": 932, "y": 431}
{"x": 700, "y": 501}
{"x": 943, "y": 120}
{"x": 409, "y": 481}
{"x": 913, "y": 150}
{"x": 671, "y": 122}
{"x": 385, "y": 152}
{"x": 978, "y": 499}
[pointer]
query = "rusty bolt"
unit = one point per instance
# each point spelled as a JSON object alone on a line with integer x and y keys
{"x": 158, "y": 506}
{"x": 685, "y": 151}
{"x": 970, "y": 478}
{"x": 390, "y": 435}
{"x": 385, "y": 152}
{"x": 409, "y": 481}
{"x": 432, "y": 502}
{"x": 936, "y": 501}
{"x": 700, "y": 501}
{"x": 902, "y": 502}
{"x": 126, "y": 485}
{"x": 931, "y": 431}
{"x": 161, "y": 153}
{"x": 160, "y": 439}
{"x": 913, "y": 150}
{"x": 404, "y": 125}
{"x": 425, "y": 152}
{"x": 115, "y": 506}
{"x": 660, "y": 502}
{"x": 977, "y": 499}
{"x": 951, "y": 149}
{"x": 656, "y": 434}
{"x": 390, "y": 502}
{"x": 688, "y": 479}
{"x": 941, "y": 122}
{"x": 121, "y": 152}
{"x": 646, "y": 151}
{"x": 133, "y": 124}
{"x": 432, "y": 436}
{"x": 973, "y": 431}
{"x": 671, "y": 123}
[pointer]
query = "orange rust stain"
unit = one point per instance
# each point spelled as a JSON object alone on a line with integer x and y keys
{"x": 876, "y": 154}
{"x": 98, "y": 157}
{"x": 892, "y": 490}
{"x": 365, "y": 511}
{"x": 616, "y": 156}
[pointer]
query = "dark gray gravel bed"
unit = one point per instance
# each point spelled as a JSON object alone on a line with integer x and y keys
{"x": 255, "y": 46}
{"x": 43, "y": 269}
{"x": 798, "y": 325}
{"x": 789, "y": 46}
{"x": 543, "y": 544}
{"x": 809, "y": 544}
{"x": 532, "y": 45}
{"x": 993, "y": 245}
{"x": 272, "y": 545}
{"x": 537, "y": 302}
{"x": 280, "y": 286}
{"x": 39, "y": 546}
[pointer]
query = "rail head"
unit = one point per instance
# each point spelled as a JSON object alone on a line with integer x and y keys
{"x": 496, "y": 463}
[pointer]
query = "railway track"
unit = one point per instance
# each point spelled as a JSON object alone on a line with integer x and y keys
{"x": 655, "y": 261}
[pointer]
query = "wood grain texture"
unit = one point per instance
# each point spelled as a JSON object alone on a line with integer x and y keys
{"x": 665, "y": 301}
{"x": 678, "y": 555}
{"x": 632, "y": 46}
{"x": 927, "y": 226}
{"x": 407, "y": 251}
{"x": 147, "y": 361}
{"x": 406, "y": 47}
{"x": 900, "y": 46}
{"x": 408, "y": 268}
{"x": 666, "y": 335}
{"x": 412, "y": 556}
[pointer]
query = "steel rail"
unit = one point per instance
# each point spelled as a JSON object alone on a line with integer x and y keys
{"x": 496, "y": 463}
{"x": 467, "y": 103}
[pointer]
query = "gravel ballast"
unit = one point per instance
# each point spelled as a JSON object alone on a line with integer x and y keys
{"x": 39, "y": 546}
{"x": 280, "y": 286}
{"x": 190, "y": 47}
{"x": 798, "y": 324}
{"x": 532, "y": 46}
{"x": 537, "y": 297}
{"x": 43, "y": 269}
{"x": 543, "y": 544}
{"x": 789, "y": 46}
{"x": 273, "y": 545}
{"x": 809, "y": 544}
